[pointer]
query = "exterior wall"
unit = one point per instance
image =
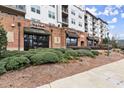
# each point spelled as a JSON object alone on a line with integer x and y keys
{"x": 82, "y": 39}
{"x": 10, "y": 24}
{"x": 89, "y": 21}
{"x": 76, "y": 17}
{"x": 57, "y": 35}
{"x": 20, "y": 8}
{"x": 43, "y": 16}
{"x": 102, "y": 30}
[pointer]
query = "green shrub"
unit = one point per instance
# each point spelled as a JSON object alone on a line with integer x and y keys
{"x": 59, "y": 53}
{"x": 45, "y": 57}
{"x": 61, "y": 49}
{"x": 30, "y": 53}
{"x": 95, "y": 52}
{"x": 3, "y": 40}
{"x": 83, "y": 52}
{"x": 2, "y": 65}
{"x": 14, "y": 63}
{"x": 13, "y": 53}
{"x": 2, "y": 68}
{"x": 70, "y": 54}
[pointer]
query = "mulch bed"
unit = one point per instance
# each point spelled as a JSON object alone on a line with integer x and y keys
{"x": 35, "y": 76}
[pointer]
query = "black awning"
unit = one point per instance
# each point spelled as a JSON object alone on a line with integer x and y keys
{"x": 36, "y": 31}
{"x": 91, "y": 38}
{"x": 72, "y": 34}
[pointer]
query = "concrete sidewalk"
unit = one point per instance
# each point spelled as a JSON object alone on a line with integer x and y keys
{"x": 107, "y": 76}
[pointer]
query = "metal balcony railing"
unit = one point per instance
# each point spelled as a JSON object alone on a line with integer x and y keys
{"x": 65, "y": 20}
{"x": 65, "y": 10}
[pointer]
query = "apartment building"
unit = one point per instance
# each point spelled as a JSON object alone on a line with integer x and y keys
{"x": 68, "y": 17}
{"x": 96, "y": 29}
{"x": 51, "y": 26}
{"x": 91, "y": 28}
{"x": 102, "y": 29}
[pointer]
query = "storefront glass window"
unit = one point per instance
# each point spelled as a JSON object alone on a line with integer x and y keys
{"x": 71, "y": 41}
{"x": 36, "y": 41}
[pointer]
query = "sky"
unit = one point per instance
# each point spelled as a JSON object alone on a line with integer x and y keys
{"x": 113, "y": 14}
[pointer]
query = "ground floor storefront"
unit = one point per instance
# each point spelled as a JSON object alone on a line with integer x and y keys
{"x": 92, "y": 41}
{"x": 31, "y": 35}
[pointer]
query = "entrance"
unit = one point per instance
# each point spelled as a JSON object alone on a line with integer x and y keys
{"x": 82, "y": 43}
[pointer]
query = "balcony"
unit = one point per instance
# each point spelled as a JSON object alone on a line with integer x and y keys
{"x": 86, "y": 23}
{"x": 65, "y": 21}
{"x": 65, "y": 10}
{"x": 86, "y": 29}
{"x": 17, "y": 7}
{"x": 13, "y": 9}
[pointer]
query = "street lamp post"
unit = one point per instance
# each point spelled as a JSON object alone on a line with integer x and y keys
{"x": 19, "y": 28}
{"x": 108, "y": 44}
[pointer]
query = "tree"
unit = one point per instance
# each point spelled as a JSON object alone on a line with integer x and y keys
{"x": 105, "y": 40}
{"x": 3, "y": 40}
{"x": 114, "y": 42}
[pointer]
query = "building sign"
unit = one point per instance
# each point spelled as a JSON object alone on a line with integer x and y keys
{"x": 10, "y": 36}
{"x": 57, "y": 40}
{"x": 37, "y": 25}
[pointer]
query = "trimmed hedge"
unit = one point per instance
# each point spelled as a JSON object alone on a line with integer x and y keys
{"x": 70, "y": 54}
{"x": 13, "y": 63}
{"x": 2, "y": 66}
{"x": 45, "y": 57}
{"x": 96, "y": 53}
{"x": 13, "y": 53}
{"x": 13, "y": 60}
{"x": 83, "y": 52}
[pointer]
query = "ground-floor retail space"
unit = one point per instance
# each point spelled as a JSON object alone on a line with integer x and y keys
{"x": 35, "y": 38}
{"x": 38, "y": 35}
{"x": 92, "y": 41}
{"x": 71, "y": 39}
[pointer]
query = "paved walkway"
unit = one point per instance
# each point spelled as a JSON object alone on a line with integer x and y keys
{"x": 107, "y": 76}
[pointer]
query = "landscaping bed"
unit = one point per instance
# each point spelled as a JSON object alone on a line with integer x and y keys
{"x": 37, "y": 75}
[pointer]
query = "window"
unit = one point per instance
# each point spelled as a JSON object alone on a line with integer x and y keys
{"x": 32, "y": 9}
{"x": 80, "y": 24}
{"x": 22, "y": 7}
{"x": 71, "y": 41}
{"x": 38, "y": 11}
{"x": 51, "y": 14}
{"x": 72, "y": 12}
{"x": 73, "y": 21}
{"x": 35, "y": 20}
{"x": 52, "y": 6}
{"x": 80, "y": 16}
{"x": 35, "y": 9}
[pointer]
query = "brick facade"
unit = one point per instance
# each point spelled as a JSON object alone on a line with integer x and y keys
{"x": 10, "y": 24}
{"x": 57, "y": 39}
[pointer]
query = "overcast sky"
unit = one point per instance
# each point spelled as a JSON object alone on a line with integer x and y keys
{"x": 113, "y": 14}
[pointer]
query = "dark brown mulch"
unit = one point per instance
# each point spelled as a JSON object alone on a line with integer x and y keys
{"x": 35, "y": 76}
